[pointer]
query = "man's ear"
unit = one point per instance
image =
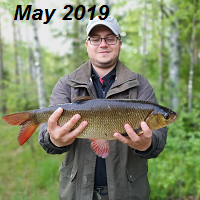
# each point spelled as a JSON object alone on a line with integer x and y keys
{"x": 120, "y": 45}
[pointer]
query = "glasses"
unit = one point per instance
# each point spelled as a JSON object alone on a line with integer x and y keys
{"x": 97, "y": 41}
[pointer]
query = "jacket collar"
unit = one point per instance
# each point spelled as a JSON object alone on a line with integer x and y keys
{"x": 82, "y": 74}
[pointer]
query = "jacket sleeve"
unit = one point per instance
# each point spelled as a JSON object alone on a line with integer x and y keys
{"x": 146, "y": 92}
{"x": 61, "y": 94}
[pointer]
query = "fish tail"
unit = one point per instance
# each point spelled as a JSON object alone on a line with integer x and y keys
{"x": 23, "y": 119}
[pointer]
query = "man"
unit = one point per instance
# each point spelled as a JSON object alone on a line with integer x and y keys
{"x": 123, "y": 174}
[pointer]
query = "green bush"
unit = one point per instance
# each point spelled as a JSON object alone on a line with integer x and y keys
{"x": 176, "y": 172}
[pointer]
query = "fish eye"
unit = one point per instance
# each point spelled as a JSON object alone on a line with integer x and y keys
{"x": 166, "y": 116}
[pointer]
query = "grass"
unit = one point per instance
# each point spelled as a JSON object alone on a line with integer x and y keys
{"x": 26, "y": 172}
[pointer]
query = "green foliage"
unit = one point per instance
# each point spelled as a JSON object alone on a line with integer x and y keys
{"x": 176, "y": 172}
{"x": 27, "y": 172}
{"x": 30, "y": 174}
{"x": 20, "y": 99}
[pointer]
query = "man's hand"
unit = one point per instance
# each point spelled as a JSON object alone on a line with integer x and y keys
{"x": 62, "y": 136}
{"x": 139, "y": 142}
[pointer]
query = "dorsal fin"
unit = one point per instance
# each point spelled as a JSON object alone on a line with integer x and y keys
{"x": 81, "y": 99}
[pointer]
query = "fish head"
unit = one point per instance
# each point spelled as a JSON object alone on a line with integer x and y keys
{"x": 166, "y": 118}
{"x": 161, "y": 118}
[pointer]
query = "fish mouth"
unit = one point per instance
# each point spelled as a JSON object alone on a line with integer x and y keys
{"x": 174, "y": 117}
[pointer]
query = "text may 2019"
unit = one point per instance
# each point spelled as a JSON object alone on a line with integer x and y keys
{"x": 43, "y": 14}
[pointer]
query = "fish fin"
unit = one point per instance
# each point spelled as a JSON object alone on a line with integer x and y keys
{"x": 125, "y": 134}
{"x": 28, "y": 128}
{"x": 17, "y": 118}
{"x": 81, "y": 99}
{"x": 23, "y": 119}
{"x": 100, "y": 147}
{"x": 138, "y": 131}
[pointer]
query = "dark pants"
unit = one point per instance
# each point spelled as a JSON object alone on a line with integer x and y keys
{"x": 100, "y": 193}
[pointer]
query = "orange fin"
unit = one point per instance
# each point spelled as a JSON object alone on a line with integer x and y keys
{"x": 28, "y": 128}
{"x": 23, "y": 119}
{"x": 81, "y": 99}
{"x": 17, "y": 118}
{"x": 100, "y": 147}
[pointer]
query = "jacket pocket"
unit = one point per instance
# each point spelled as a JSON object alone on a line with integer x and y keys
{"x": 67, "y": 182}
{"x": 138, "y": 184}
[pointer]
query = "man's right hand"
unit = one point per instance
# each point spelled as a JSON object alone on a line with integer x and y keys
{"x": 63, "y": 136}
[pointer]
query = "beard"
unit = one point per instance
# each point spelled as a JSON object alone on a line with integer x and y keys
{"x": 104, "y": 62}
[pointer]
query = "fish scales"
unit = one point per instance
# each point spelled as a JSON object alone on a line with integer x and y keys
{"x": 104, "y": 117}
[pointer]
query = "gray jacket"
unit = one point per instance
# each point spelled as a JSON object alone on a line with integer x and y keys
{"x": 126, "y": 168}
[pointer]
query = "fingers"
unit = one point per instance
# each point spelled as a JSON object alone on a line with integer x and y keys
{"x": 140, "y": 142}
{"x": 70, "y": 124}
{"x": 133, "y": 136}
{"x": 53, "y": 122}
{"x": 53, "y": 119}
{"x": 121, "y": 138}
{"x": 63, "y": 136}
{"x": 147, "y": 133}
{"x": 131, "y": 133}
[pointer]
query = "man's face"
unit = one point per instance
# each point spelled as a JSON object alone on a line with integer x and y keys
{"x": 103, "y": 55}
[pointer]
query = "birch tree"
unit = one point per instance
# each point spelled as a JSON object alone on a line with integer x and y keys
{"x": 32, "y": 70}
{"x": 161, "y": 50}
{"x": 144, "y": 39}
{"x": 16, "y": 52}
{"x": 78, "y": 34}
{"x": 3, "y": 107}
{"x": 174, "y": 56}
{"x": 38, "y": 66}
{"x": 192, "y": 60}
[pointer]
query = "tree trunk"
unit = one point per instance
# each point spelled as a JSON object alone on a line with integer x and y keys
{"x": 31, "y": 65}
{"x": 174, "y": 62}
{"x": 38, "y": 67}
{"x": 3, "y": 104}
{"x": 192, "y": 62}
{"x": 16, "y": 53}
{"x": 160, "y": 53}
{"x": 32, "y": 71}
{"x": 144, "y": 39}
{"x": 19, "y": 57}
{"x": 76, "y": 42}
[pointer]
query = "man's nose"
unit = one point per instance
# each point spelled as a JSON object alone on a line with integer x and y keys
{"x": 103, "y": 42}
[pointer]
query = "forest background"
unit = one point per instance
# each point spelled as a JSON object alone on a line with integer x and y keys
{"x": 161, "y": 41}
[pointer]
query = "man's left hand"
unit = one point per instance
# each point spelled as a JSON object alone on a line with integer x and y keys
{"x": 139, "y": 142}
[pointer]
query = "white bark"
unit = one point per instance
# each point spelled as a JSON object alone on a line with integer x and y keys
{"x": 16, "y": 53}
{"x": 3, "y": 107}
{"x": 19, "y": 58}
{"x": 160, "y": 53}
{"x": 38, "y": 67}
{"x": 144, "y": 39}
{"x": 32, "y": 70}
{"x": 192, "y": 62}
{"x": 174, "y": 63}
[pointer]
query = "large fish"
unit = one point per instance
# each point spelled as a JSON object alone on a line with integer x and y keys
{"x": 104, "y": 117}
